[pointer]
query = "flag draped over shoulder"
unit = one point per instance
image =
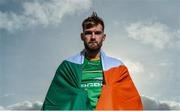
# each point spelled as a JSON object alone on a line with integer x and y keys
{"x": 118, "y": 92}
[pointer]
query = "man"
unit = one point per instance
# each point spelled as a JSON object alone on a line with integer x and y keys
{"x": 90, "y": 79}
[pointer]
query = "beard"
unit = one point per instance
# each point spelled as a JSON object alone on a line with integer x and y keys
{"x": 93, "y": 46}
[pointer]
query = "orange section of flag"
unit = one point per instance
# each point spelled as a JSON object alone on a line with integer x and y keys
{"x": 119, "y": 92}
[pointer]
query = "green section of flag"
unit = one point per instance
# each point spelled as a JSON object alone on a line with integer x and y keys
{"x": 65, "y": 92}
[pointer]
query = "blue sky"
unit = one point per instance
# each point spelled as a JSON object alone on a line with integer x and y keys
{"x": 36, "y": 35}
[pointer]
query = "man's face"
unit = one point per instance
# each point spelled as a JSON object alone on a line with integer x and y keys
{"x": 93, "y": 38}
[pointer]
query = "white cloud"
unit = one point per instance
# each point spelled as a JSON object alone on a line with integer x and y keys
{"x": 41, "y": 13}
{"x": 178, "y": 45}
{"x": 26, "y": 105}
{"x": 1, "y": 108}
{"x": 152, "y": 76}
{"x": 149, "y": 103}
{"x": 163, "y": 64}
{"x": 134, "y": 67}
{"x": 177, "y": 34}
{"x": 177, "y": 42}
{"x": 155, "y": 33}
{"x": 153, "y": 104}
{"x": 7, "y": 95}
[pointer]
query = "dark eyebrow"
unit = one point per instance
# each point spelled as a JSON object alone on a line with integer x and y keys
{"x": 98, "y": 32}
{"x": 90, "y": 32}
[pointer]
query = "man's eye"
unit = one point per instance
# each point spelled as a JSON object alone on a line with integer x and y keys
{"x": 88, "y": 33}
{"x": 98, "y": 33}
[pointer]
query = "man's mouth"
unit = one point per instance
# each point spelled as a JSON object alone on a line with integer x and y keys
{"x": 93, "y": 43}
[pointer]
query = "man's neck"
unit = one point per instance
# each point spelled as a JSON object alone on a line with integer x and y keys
{"x": 93, "y": 55}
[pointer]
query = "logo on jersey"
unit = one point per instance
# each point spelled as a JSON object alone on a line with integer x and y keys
{"x": 87, "y": 85}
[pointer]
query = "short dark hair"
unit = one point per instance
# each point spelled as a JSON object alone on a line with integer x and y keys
{"x": 92, "y": 21}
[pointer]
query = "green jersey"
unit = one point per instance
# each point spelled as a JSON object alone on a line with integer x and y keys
{"x": 92, "y": 80}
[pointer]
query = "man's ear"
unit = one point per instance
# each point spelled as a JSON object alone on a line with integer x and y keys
{"x": 82, "y": 36}
{"x": 104, "y": 37}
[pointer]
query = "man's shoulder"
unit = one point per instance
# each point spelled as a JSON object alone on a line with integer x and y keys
{"x": 113, "y": 60}
{"x": 110, "y": 59}
{"x": 76, "y": 58}
{"x": 110, "y": 62}
{"x": 73, "y": 60}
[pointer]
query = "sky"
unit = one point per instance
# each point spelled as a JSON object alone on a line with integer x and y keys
{"x": 36, "y": 35}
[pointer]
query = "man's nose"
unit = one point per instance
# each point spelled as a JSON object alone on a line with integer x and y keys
{"x": 93, "y": 35}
